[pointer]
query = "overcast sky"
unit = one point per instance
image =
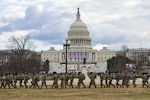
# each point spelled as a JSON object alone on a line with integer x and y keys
{"x": 111, "y": 23}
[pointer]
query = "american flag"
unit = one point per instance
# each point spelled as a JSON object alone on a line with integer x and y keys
{"x": 130, "y": 66}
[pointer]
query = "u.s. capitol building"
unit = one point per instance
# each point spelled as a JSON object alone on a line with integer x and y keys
{"x": 80, "y": 48}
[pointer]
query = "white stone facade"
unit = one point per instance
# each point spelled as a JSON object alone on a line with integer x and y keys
{"x": 79, "y": 49}
{"x": 141, "y": 55}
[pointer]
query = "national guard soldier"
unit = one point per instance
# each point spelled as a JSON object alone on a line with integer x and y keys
{"x": 128, "y": 80}
{"x": 3, "y": 81}
{"x": 145, "y": 80}
{"x": 81, "y": 78}
{"x": 20, "y": 79}
{"x": 11, "y": 80}
{"x": 62, "y": 79}
{"x": 72, "y": 76}
{"x": 101, "y": 80}
{"x": 92, "y": 77}
{"x": 125, "y": 80}
{"x": 106, "y": 79}
{"x": 43, "y": 80}
{"x": 1, "y": 77}
{"x": 15, "y": 80}
{"x": 32, "y": 80}
{"x": 134, "y": 79}
{"x": 110, "y": 80}
{"x": 7, "y": 81}
{"x": 36, "y": 80}
{"x": 26, "y": 78}
{"x": 117, "y": 77}
{"x": 66, "y": 80}
{"x": 55, "y": 79}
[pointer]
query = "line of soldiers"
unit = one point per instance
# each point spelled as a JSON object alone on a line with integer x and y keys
{"x": 66, "y": 80}
{"x": 106, "y": 80}
{"x": 10, "y": 80}
{"x": 122, "y": 80}
{"x": 65, "y": 83}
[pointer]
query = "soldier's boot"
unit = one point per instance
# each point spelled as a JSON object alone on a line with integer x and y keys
{"x": 116, "y": 86}
{"x": 113, "y": 85}
{"x": 95, "y": 86}
{"x": 89, "y": 86}
{"x": 9, "y": 86}
{"x": 84, "y": 85}
{"x": 127, "y": 85}
{"x": 71, "y": 86}
{"x": 25, "y": 85}
{"x": 38, "y": 86}
{"x": 46, "y": 86}
{"x": 134, "y": 85}
{"x": 142, "y": 85}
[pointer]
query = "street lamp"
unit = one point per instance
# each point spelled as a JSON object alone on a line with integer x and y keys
{"x": 66, "y": 45}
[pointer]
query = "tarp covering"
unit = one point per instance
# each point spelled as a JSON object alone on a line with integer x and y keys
{"x": 53, "y": 68}
{"x": 101, "y": 68}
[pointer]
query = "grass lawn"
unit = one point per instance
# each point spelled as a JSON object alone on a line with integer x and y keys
{"x": 76, "y": 94}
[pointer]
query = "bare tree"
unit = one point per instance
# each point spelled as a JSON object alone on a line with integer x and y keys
{"x": 3, "y": 62}
{"x": 21, "y": 52}
{"x": 124, "y": 48}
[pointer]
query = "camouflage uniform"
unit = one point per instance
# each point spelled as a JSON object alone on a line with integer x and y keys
{"x": 3, "y": 81}
{"x": 110, "y": 80}
{"x": 34, "y": 82}
{"x": 145, "y": 80}
{"x": 43, "y": 80}
{"x": 11, "y": 77}
{"x": 72, "y": 76}
{"x": 81, "y": 78}
{"x": 134, "y": 80}
{"x": 62, "y": 78}
{"x": 8, "y": 82}
{"x": 15, "y": 80}
{"x": 106, "y": 79}
{"x": 117, "y": 77}
{"x": 92, "y": 77}
{"x": 20, "y": 76}
{"x": 1, "y": 78}
{"x": 66, "y": 80}
{"x": 55, "y": 79}
{"x": 101, "y": 80}
{"x": 125, "y": 80}
{"x": 26, "y": 78}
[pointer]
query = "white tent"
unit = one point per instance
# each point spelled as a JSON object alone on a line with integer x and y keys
{"x": 53, "y": 68}
{"x": 101, "y": 68}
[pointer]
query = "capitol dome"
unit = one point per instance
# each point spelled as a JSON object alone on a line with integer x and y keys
{"x": 78, "y": 34}
{"x": 78, "y": 24}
